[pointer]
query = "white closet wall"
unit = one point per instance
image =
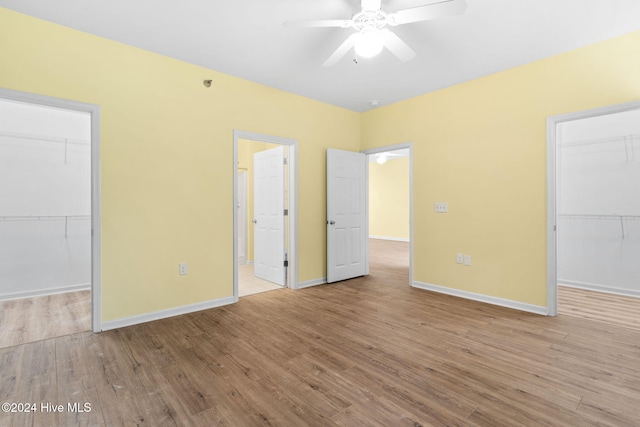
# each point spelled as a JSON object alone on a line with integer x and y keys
{"x": 599, "y": 203}
{"x": 45, "y": 199}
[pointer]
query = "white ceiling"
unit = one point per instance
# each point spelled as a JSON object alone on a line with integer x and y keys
{"x": 245, "y": 38}
{"x": 390, "y": 155}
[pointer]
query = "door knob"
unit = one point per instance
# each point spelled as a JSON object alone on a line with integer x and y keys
{"x": 255, "y": 221}
{"x": 332, "y": 222}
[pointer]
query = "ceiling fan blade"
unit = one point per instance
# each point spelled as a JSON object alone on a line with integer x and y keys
{"x": 320, "y": 23}
{"x": 427, "y": 12}
{"x": 397, "y": 46}
{"x": 340, "y": 52}
{"x": 371, "y": 4}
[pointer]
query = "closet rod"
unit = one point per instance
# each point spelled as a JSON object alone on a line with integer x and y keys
{"x": 43, "y": 217}
{"x": 621, "y": 218}
{"x": 34, "y": 137}
{"x": 65, "y": 218}
{"x": 623, "y": 138}
{"x": 603, "y": 217}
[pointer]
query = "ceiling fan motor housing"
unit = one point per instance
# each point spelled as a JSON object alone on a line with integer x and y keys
{"x": 369, "y": 20}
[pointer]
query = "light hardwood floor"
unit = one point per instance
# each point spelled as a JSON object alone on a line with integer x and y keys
{"x": 38, "y": 318}
{"x": 366, "y": 352}
{"x": 612, "y": 309}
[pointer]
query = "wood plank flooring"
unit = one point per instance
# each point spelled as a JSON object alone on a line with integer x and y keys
{"x": 33, "y": 319}
{"x": 612, "y": 309}
{"x": 366, "y": 352}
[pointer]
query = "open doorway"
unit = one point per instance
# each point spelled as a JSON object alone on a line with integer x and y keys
{"x": 594, "y": 214}
{"x": 389, "y": 175}
{"x": 265, "y": 213}
{"x": 48, "y": 219}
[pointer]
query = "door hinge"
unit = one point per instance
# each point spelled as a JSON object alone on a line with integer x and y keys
{"x": 285, "y": 161}
{"x": 286, "y": 212}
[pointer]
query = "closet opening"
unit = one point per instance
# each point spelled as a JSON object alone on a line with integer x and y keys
{"x": 48, "y": 217}
{"x": 596, "y": 219}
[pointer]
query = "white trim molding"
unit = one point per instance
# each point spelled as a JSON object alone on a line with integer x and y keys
{"x": 516, "y": 305}
{"x": 313, "y": 282}
{"x": 44, "y": 292}
{"x": 394, "y": 147}
{"x": 599, "y": 288}
{"x": 163, "y": 314}
{"x": 292, "y": 251}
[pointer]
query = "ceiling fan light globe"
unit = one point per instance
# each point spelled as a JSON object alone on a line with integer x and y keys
{"x": 368, "y": 44}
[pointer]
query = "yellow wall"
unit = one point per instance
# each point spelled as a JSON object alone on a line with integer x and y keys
{"x": 167, "y": 158}
{"x": 480, "y": 146}
{"x": 389, "y": 199}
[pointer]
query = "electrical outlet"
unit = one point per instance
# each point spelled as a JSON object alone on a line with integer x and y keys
{"x": 459, "y": 258}
{"x": 442, "y": 207}
{"x": 467, "y": 260}
{"x": 183, "y": 268}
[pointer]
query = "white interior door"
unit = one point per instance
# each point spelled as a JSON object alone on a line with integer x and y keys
{"x": 346, "y": 215}
{"x": 268, "y": 208}
{"x": 242, "y": 217}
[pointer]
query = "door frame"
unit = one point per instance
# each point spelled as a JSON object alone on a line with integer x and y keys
{"x": 552, "y": 180}
{"x": 94, "y": 112}
{"x": 384, "y": 149}
{"x": 292, "y": 251}
{"x": 243, "y": 206}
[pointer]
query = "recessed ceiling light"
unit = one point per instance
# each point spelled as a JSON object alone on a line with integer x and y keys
{"x": 374, "y": 102}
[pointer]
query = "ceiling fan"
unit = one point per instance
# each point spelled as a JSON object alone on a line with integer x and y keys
{"x": 371, "y": 36}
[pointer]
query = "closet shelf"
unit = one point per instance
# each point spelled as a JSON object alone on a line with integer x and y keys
{"x": 600, "y": 217}
{"x": 629, "y": 142}
{"x": 622, "y": 219}
{"x": 45, "y": 138}
{"x": 65, "y": 218}
{"x": 43, "y": 217}
{"x": 622, "y": 138}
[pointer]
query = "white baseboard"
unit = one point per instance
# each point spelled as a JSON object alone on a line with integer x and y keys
{"x": 309, "y": 283}
{"x": 44, "y": 292}
{"x": 395, "y": 239}
{"x": 163, "y": 314}
{"x": 483, "y": 298}
{"x": 599, "y": 288}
